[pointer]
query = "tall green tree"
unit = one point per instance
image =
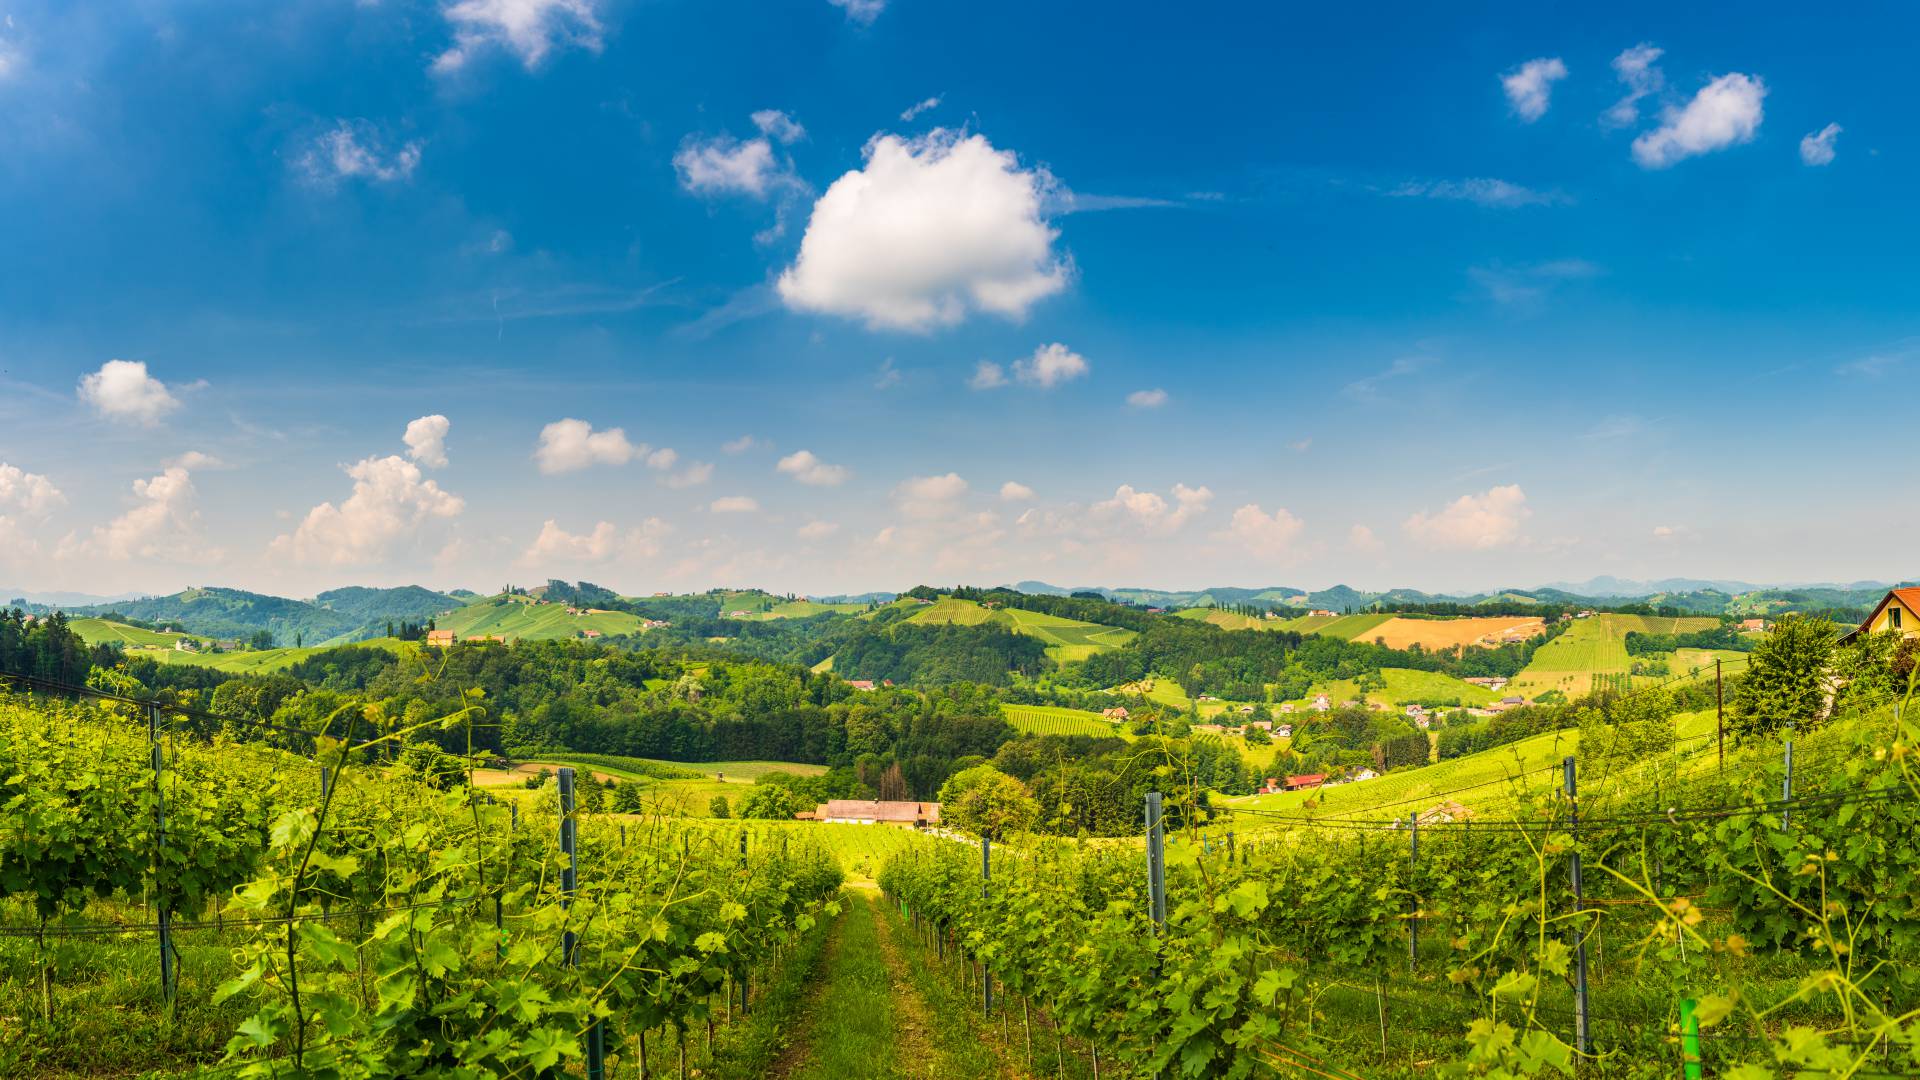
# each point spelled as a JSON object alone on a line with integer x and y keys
{"x": 1788, "y": 679}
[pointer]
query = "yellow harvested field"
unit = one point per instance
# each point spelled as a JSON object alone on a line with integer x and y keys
{"x": 1400, "y": 633}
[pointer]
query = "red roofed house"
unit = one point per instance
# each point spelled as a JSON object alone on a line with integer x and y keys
{"x": 1310, "y": 780}
{"x": 860, "y": 684}
{"x": 906, "y": 815}
{"x": 1753, "y": 624}
{"x": 440, "y": 638}
{"x": 1898, "y": 612}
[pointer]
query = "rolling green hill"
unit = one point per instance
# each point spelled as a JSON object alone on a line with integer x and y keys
{"x": 336, "y": 617}
{"x": 1056, "y": 720}
{"x": 96, "y": 631}
{"x": 1594, "y": 646}
{"x": 1066, "y": 639}
{"x": 255, "y": 662}
{"x": 523, "y": 618}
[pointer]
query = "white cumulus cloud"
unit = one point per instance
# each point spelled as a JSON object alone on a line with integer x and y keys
{"x": 1051, "y": 365}
{"x": 1816, "y": 148}
{"x": 1155, "y": 513}
{"x": 529, "y": 29}
{"x": 1529, "y": 87}
{"x": 740, "y": 445}
{"x": 734, "y": 504}
{"x": 862, "y": 12}
{"x": 604, "y": 543}
{"x": 693, "y": 475}
{"x": 1147, "y": 399}
{"x": 724, "y": 165}
{"x": 352, "y": 150}
{"x": 164, "y": 524}
{"x": 1361, "y": 538}
{"x": 807, "y": 468}
{"x": 987, "y": 375}
{"x": 567, "y": 445}
{"x": 1490, "y": 519}
{"x": 122, "y": 390}
{"x": 930, "y": 496}
{"x": 928, "y": 230}
{"x": 1726, "y": 112}
{"x": 1636, "y": 70}
{"x": 778, "y": 126}
{"x": 1015, "y": 491}
{"x": 390, "y": 502}
{"x": 426, "y": 440}
{"x": 1270, "y": 536}
{"x": 29, "y": 493}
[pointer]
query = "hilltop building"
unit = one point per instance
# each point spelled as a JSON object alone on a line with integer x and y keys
{"x": 906, "y": 815}
{"x": 440, "y": 638}
{"x": 1898, "y": 612}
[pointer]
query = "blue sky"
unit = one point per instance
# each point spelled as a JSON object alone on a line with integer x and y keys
{"x": 837, "y": 296}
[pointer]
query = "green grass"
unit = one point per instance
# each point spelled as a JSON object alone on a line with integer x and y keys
{"x": 97, "y": 631}
{"x": 257, "y": 662}
{"x": 851, "y": 1029}
{"x": 861, "y": 849}
{"x": 1407, "y": 685}
{"x": 516, "y": 618}
{"x": 1528, "y": 760}
{"x": 1595, "y": 646}
{"x": 1066, "y": 639}
{"x": 1056, "y": 720}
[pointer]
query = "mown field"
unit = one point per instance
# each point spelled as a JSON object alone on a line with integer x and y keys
{"x": 517, "y": 618}
{"x": 98, "y": 631}
{"x": 1595, "y": 646}
{"x": 1431, "y": 634}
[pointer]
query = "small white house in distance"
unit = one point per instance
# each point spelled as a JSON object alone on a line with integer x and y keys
{"x": 1283, "y": 731}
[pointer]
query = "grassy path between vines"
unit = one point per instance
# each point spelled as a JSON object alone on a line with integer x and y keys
{"x": 870, "y": 1017}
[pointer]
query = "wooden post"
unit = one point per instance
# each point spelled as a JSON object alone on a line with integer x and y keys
{"x": 986, "y": 875}
{"x": 162, "y": 906}
{"x": 1583, "y": 1041}
{"x": 569, "y": 941}
{"x": 1720, "y": 712}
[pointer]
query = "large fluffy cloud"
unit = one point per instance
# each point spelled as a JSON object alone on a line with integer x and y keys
{"x": 164, "y": 524}
{"x": 1726, "y": 112}
{"x": 1150, "y": 510}
{"x": 806, "y": 467}
{"x": 566, "y": 445}
{"x": 530, "y": 29}
{"x": 1490, "y": 519}
{"x": 123, "y": 390}
{"x": 1269, "y": 536}
{"x": 928, "y": 230}
{"x": 929, "y": 497}
{"x": 1529, "y": 87}
{"x": 604, "y": 543}
{"x": 426, "y": 440}
{"x": 28, "y": 493}
{"x": 391, "y": 501}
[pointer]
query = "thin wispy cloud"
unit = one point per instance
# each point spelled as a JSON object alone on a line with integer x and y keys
{"x": 1369, "y": 387}
{"x": 1481, "y": 191}
{"x": 1529, "y": 284}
